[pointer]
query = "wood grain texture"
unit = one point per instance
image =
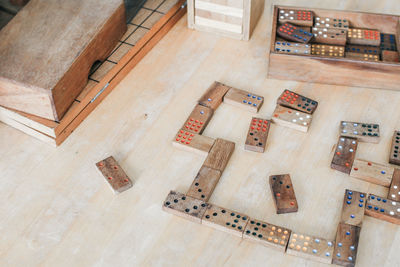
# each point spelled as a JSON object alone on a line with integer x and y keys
{"x": 363, "y": 37}
{"x": 333, "y": 51}
{"x": 219, "y": 155}
{"x": 257, "y": 135}
{"x": 198, "y": 119}
{"x": 296, "y": 101}
{"x": 344, "y": 155}
{"x": 296, "y": 17}
{"x": 244, "y": 99}
{"x": 204, "y": 183}
{"x": 184, "y": 206}
{"x": 291, "y": 32}
{"x": 114, "y": 175}
{"x": 193, "y": 142}
{"x": 372, "y": 172}
{"x": 290, "y": 118}
{"x": 364, "y": 132}
{"x": 394, "y": 156}
{"x": 214, "y": 95}
{"x": 286, "y": 47}
{"x": 346, "y": 246}
{"x": 383, "y": 209}
{"x": 329, "y": 36}
{"x": 363, "y": 57}
{"x": 353, "y": 207}
{"x": 394, "y": 189}
{"x": 283, "y": 193}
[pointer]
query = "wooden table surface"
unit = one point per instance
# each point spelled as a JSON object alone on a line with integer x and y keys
{"x": 58, "y": 211}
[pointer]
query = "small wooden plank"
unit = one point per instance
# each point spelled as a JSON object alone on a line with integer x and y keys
{"x": 204, "y": 184}
{"x": 331, "y": 23}
{"x": 286, "y": 47}
{"x": 344, "y": 155}
{"x": 383, "y": 209}
{"x": 363, "y": 57}
{"x": 364, "y": 132}
{"x": 283, "y": 193}
{"x": 214, "y": 95}
{"x": 192, "y": 142}
{"x": 296, "y": 17}
{"x": 290, "y": 118}
{"x": 329, "y": 36}
{"x": 390, "y": 56}
{"x": 345, "y": 252}
{"x": 394, "y": 157}
{"x": 115, "y": 176}
{"x": 353, "y": 207}
{"x": 219, "y": 155}
{"x": 257, "y": 135}
{"x": 295, "y": 101}
{"x": 394, "y": 189}
{"x": 388, "y": 42}
{"x": 327, "y": 50}
{"x": 372, "y": 172}
{"x": 291, "y": 32}
{"x": 364, "y": 37}
{"x": 244, "y": 99}
{"x": 198, "y": 119}
{"x": 363, "y": 49}
{"x": 184, "y": 206}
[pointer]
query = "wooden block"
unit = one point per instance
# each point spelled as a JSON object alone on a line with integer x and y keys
{"x": 257, "y": 135}
{"x": 388, "y": 42}
{"x": 184, "y": 206}
{"x": 372, "y": 172}
{"x": 192, "y": 142}
{"x": 383, "y": 209}
{"x": 225, "y": 220}
{"x": 353, "y": 207}
{"x": 344, "y": 154}
{"x": 329, "y": 36}
{"x": 114, "y": 175}
{"x": 390, "y": 56}
{"x": 363, "y": 49}
{"x": 364, "y": 132}
{"x": 345, "y": 252}
{"x": 219, "y": 154}
{"x": 290, "y": 118}
{"x": 296, "y": 17}
{"x": 310, "y": 247}
{"x": 292, "y": 48}
{"x": 244, "y": 99}
{"x": 204, "y": 184}
{"x": 293, "y": 33}
{"x": 364, "y": 37}
{"x": 363, "y": 57}
{"x": 331, "y": 23}
{"x": 394, "y": 156}
{"x": 394, "y": 189}
{"x": 295, "y": 101}
{"x": 214, "y": 95}
{"x": 198, "y": 119}
{"x": 327, "y": 50}
{"x": 283, "y": 193}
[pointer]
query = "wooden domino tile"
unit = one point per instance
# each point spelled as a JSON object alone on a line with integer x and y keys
{"x": 283, "y": 193}
{"x": 388, "y": 42}
{"x": 243, "y": 99}
{"x": 212, "y": 98}
{"x": 353, "y": 207}
{"x": 295, "y": 101}
{"x": 257, "y": 135}
{"x": 372, "y": 172}
{"x": 329, "y": 36}
{"x": 362, "y": 57}
{"x": 297, "y": 17}
{"x": 394, "y": 189}
{"x": 225, "y": 220}
{"x": 204, "y": 183}
{"x": 327, "y": 50}
{"x": 364, "y": 132}
{"x": 193, "y": 142}
{"x": 390, "y": 56}
{"x": 331, "y": 23}
{"x": 344, "y": 155}
{"x": 363, "y": 37}
{"x": 198, "y": 119}
{"x": 394, "y": 156}
{"x": 383, "y": 209}
{"x": 293, "y": 33}
{"x": 219, "y": 154}
{"x": 114, "y": 175}
{"x": 292, "y": 48}
{"x": 184, "y": 206}
{"x": 290, "y": 118}
{"x": 346, "y": 245}
{"x": 267, "y": 234}
{"x": 363, "y": 49}
{"x": 310, "y": 247}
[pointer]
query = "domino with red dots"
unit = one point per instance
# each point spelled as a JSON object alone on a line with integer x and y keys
{"x": 257, "y": 135}
{"x": 244, "y": 99}
{"x": 353, "y": 207}
{"x": 364, "y": 37}
{"x": 394, "y": 189}
{"x": 293, "y": 33}
{"x": 295, "y": 101}
{"x": 212, "y": 98}
{"x": 283, "y": 193}
{"x": 193, "y": 142}
{"x": 185, "y": 206}
{"x": 198, "y": 119}
{"x": 344, "y": 155}
{"x": 383, "y": 209}
{"x": 114, "y": 175}
{"x": 204, "y": 183}
{"x": 372, "y": 172}
{"x": 346, "y": 245}
{"x": 290, "y": 118}
{"x": 297, "y": 17}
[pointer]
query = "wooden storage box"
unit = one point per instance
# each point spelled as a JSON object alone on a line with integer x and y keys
{"x": 339, "y": 71}
{"x": 233, "y": 18}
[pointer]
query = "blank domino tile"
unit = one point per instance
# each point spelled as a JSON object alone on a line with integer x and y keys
{"x": 219, "y": 154}
{"x": 257, "y": 135}
{"x": 383, "y": 209}
{"x": 331, "y": 23}
{"x": 364, "y": 132}
{"x": 364, "y": 37}
{"x": 372, "y": 172}
{"x": 295, "y": 101}
{"x": 353, "y": 207}
{"x": 327, "y": 50}
{"x": 312, "y": 248}
{"x": 283, "y": 193}
{"x": 198, "y": 119}
{"x": 297, "y": 17}
{"x": 204, "y": 184}
{"x": 394, "y": 156}
{"x": 225, "y": 220}
{"x": 394, "y": 189}
{"x": 345, "y": 252}
{"x": 294, "y": 33}
{"x": 363, "y": 49}
{"x": 212, "y": 98}
{"x": 292, "y": 48}
{"x": 344, "y": 155}
{"x": 243, "y": 99}
{"x": 193, "y": 142}
{"x": 267, "y": 234}
{"x": 184, "y": 206}
{"x": 363, "y": 57}
{"x": 114, "y": 175}
{"x": 291, "y": 118}
{"x": 390, "y": 56}
{"x": 330, "y": 36}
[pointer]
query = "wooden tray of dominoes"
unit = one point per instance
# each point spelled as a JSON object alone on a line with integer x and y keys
{"x": 335, "y": 47}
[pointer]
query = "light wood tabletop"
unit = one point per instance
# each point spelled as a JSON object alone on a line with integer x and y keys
{"x": 57, "y": 210}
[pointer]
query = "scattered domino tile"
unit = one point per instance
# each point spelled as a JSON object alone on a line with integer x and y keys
{"x": 219, "y": 155}
{"x": 295, "y": 101}
{"x": 297, "y": 17}
{"x": 344, "y": 154}
{"x": 292, "y": 48}
{"x": 312, "y": 248}
{"x": 364, "y": 37}
{"x": 204, "y": 184}
{"x": 293, "y": 33}
{"x": 184, "y": 206}
{"x": 388, "y": 42}
{"x": 291, "y": 118}
{"x": 198, "y": 119}
{"x": 394, "y": 156}
{"x": 346, "y": 246}
{"x": 243, "y": 99}
{"x": 363, "y": 57}
{"x": 114, "y": 175}
{"x": 364, "y": 132}
{"x": 383, "y": 209}
{"x": 212, "y": 98}
{"x": 394, "y": 189}
{"x": 327, "y": 50}
{"x": 372, "y": 172}
{"x": 267, "y": 234}
{"x": 363, "y": 49}
{"x": 390, "y": 56}
{"x": 257, "y": 135}
{"x": 225, "y": 220}
{"x": 331, "y": 23}
{"x": 353, "y": 207}
{"x": 193, "y": 142}
{"x": 330, "y": 36}
{"x": 283, "y": 193}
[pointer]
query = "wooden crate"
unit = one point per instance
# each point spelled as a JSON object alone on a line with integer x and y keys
{"x": 233, "y": 18}
{"x": 339, "y": 71}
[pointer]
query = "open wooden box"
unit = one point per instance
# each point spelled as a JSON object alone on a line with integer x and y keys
{"x": 339, "y": 71}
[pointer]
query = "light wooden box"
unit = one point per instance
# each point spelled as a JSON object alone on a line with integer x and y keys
{"x": 339, "y": 71}
{"x": 232, "y": 18}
